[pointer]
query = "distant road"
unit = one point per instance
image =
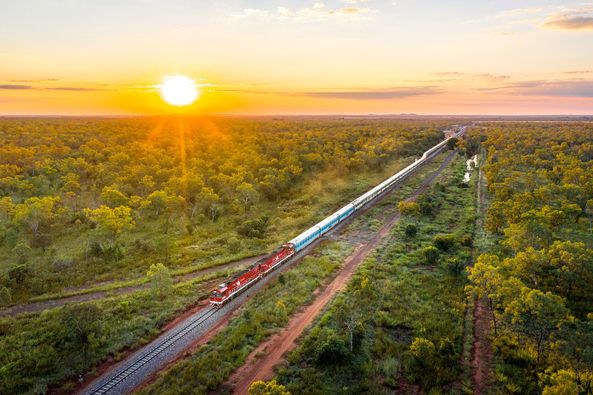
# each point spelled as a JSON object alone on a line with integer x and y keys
{"x": 35, "y": 307}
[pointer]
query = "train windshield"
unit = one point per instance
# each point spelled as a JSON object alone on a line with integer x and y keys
{"x": 215, "y": 294}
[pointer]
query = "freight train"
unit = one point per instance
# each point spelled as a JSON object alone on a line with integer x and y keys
{"x": 246, "y": 278}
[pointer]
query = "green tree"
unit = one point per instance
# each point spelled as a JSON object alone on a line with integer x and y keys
{"x": 211, "y": 202}
{"x": 35, "y": 216}
{"x": 161, "y": 280}
{"x": 536, "y": 315}
{"x": 485, "y": 282}
{"x": 5, "y": 296}
{"x": 83, "y": 328}
{"x": 589, "y": 212}
{"x": 247, "y": 194}
{"x": 161, "y": 203}
{"x": 111, "y": 222}
{"x": 113, "y": 197}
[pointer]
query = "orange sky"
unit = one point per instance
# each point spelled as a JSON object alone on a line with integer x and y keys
{"x": 298, "y": 57}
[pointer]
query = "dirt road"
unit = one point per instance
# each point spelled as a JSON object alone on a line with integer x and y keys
{"x": 87, "y": 297}
{"x": 482, "y": 355}
{"x": 261, "y": 362}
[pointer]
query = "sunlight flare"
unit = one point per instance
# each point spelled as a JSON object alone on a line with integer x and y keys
{"x": 178, "y": 90}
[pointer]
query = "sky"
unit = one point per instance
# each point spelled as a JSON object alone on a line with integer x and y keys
{"x": 108, "y": 57}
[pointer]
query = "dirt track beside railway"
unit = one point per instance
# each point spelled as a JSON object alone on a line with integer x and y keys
{"x": 261, "y": 362}
{"x": 35, "y": 307}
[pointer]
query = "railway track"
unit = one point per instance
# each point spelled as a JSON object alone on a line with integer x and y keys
{"x": 162, "y": 345}
{"x": 132, "y": 371}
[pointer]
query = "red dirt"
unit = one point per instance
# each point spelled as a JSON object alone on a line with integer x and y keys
{"x": 482, "y": 352}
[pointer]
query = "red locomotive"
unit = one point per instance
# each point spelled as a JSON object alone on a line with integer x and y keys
{"x": 244, "y": 279}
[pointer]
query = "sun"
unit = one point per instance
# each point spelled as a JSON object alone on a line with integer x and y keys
{"x": 178, "y": 90}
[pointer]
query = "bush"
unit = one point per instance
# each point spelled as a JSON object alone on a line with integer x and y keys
{"x": 255, "y": 228}
{"x": 333, "y": 351}
{"x": 444, "y": 242}
{"x": 466, "y": 240}
{"x": 408, "y": 208}
{"x": 411, "y": 230}
{"x": 431, "y": 254}
{"x": 455, "y": 266}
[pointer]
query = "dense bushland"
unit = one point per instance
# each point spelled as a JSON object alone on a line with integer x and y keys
{"x": 538, "y": 279}
{"x": 83, "y": 200}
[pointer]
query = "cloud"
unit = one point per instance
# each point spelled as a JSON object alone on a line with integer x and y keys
{"x": 559, "y": 88}
{"x": 379, "y": 94}
{"x": 472, "y": 76}
{"x": 315, "y": 13}
{"x": 579, "y": 72}
{"x": 573, "y": 19}
{"x": 15, "y": 87}
{"x": 49, "y": 88}
{"x": 519, "y": 12}
{"x": 73, "y": 89}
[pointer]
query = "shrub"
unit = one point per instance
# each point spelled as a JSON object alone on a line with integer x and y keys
{"x": 267, "y": 388}
{"x": 255, "y": 228}
{"x": 444, "y": 242}
{"x": 411, "y": 230}
{"x": 466, "y": 240}
{"x": 431, "y": 254}
{"x": 454, "y": 266}
{"x": 333, "y": 351}
{"x": 408, "y": 208}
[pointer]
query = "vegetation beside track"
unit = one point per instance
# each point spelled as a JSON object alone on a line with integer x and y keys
{"x": 212, "y": 363}
{"x": 402, "y": 314}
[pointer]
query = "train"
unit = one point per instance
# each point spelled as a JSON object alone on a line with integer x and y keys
{"x": 226, "y": 291}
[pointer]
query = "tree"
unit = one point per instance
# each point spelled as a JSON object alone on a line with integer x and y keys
{"x": 485, "y": 281}
{"x": 444, "y": 242}
{"x": 111, "y": 222}
{"x": 247, "y": 194}
{"x": 589, "y": 212}
{"x": 161, "y": 280}
{"x": 255, "y": 228}
{"x": 113, "y": 197}
{"x": 572, "y": 265}
{"x": 267, "y": 388}
{"x": 419, "y": 359}
{"x": 6, "y": 209}
{"x": 563, "y": 382}
{"x": 36, "y": 215}
{"x": 351, "y": 324}
{"x": 536, "y": 315}
{"x": 162, "y": 203}
{"x": 411, "y": 230}
{"x": 210, "y": 201}
{"x": 83, "y": 328}
{"x": 5, "y": 296}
